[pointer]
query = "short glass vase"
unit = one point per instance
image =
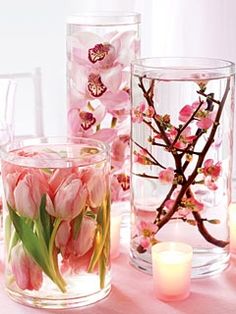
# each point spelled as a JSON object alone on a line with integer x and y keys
{"x": 57, "y": 221}
{"x": 182, "y": 129}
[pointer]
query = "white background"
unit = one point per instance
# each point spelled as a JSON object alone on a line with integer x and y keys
{"x": 32, "y": 33}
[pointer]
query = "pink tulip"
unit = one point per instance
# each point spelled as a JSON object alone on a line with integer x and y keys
{"x": 74, "y": 251}
{"x": 69, "y": 200}
{"x": 167, "y": 176}
{"x": 27, "y": 193}
{"x": 58, "y": 177}
{"x": 85, "y": 239}
{"x": 27, "y": 273}
{"x": 63, "y": 235}
{"x": 95, "y": 183}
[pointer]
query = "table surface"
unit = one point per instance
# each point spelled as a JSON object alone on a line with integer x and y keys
{"x": 132, "y": 293}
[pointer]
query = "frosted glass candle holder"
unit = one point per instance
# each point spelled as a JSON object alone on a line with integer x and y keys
{"x": 172, "y": 262}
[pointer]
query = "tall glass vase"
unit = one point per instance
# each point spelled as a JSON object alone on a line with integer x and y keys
{"x": 182, "y": 129}
{"x": 100, "y": 48}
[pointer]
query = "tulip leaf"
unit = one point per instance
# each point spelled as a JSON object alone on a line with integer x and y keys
{"x": 32, "y": 244}
{"x": 45, "y": 221}
{"x": 102, "y": 270}
{"x": 77, "y": 225}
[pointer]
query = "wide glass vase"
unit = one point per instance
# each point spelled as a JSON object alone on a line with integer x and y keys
{"x": 100, "y": 47}
{"x": 182, "y": 129}
{"x": 57, "y": 221}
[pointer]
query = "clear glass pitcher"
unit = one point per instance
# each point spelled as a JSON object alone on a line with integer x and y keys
{"x": 20, "y": 93}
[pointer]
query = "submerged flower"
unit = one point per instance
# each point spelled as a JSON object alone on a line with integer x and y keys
{"x": 146, "y": 231}
{"x": 211, "y": 169}
{"x": 166, "y": 176}
{"x": 142, "y": 158}
{"x": 119, "y": 149}
{"x": 204, "y": 117}
{"x": 28, "y": 275}
{"x": 69, "y": 200}
{"x": 24, "y": 191}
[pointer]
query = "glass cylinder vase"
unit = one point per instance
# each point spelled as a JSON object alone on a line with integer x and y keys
{"x": 57, "y": 221}
{"x": 100, "y": 47}
{"x": 182, "y": 129}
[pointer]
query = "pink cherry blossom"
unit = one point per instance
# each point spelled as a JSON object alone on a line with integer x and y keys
{"x": 185, "y": 113}
{"x": 147, "y": 228}
{"x": 27, "y": 273}
{"x": 138, "y": 113}
{"x": 166, "y": 176}
{"x": 210, "y": 183}
{"x": 141, "y": 157}
{"x": 211, "y": 169}
{"x": 205, "y": 123}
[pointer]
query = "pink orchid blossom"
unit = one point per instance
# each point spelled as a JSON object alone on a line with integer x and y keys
{"x": 83, "y": 123}
{"x": 119, "y": 149}
{"x": 27, "y": 273}
{"x": 120, "y": 184}
{"x": 166, "y": 176}
{"x": 69, "y": 200}
{"x": 96, "y": 67}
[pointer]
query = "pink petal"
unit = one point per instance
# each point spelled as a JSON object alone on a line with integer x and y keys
{"x": 116, "y": 101}
{"x": 205, "y": 123}
{"x": 106, "y": 135}
{"x": 185, "y": 113}
{"x": 112, "y": 78}
{"x": 99, "y": 113}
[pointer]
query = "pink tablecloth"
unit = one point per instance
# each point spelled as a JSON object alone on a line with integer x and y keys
{"x": 132, "y": 294}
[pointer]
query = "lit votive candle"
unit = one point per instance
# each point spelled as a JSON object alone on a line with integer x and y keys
{"x": 171, "y": 264}
{"x": 115, "y": 234}
{"x": 232, "y": 227}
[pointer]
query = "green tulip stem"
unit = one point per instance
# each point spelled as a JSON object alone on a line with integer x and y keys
{"x": 55, "y": 272}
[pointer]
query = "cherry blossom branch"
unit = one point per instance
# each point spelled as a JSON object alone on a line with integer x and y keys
{"x": 156, "y": 162}
{"x": 184, "y": 150}
{"x": 148, "y": 95}
{"x": 202, "y": 93}
{"x": 144, "y": 175}
{"x": 191, "y": 178}
{"x": 180, "y": 130}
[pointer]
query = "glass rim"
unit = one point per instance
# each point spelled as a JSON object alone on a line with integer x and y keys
{"x": 225, "y": 64}
{"x": 22, "y": 143}
{"x": 172, "y": 245}
{"x": 104, "y": 18}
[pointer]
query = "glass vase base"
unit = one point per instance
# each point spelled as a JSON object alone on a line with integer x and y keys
{"x": 56, "y": 303}
{"x": 205, "y": 263}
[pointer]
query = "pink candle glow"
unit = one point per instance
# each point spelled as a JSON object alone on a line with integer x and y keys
{"x": 232, "y": 226}
{"x": 115, "y": 234}
{"x": 171, "y": 262}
